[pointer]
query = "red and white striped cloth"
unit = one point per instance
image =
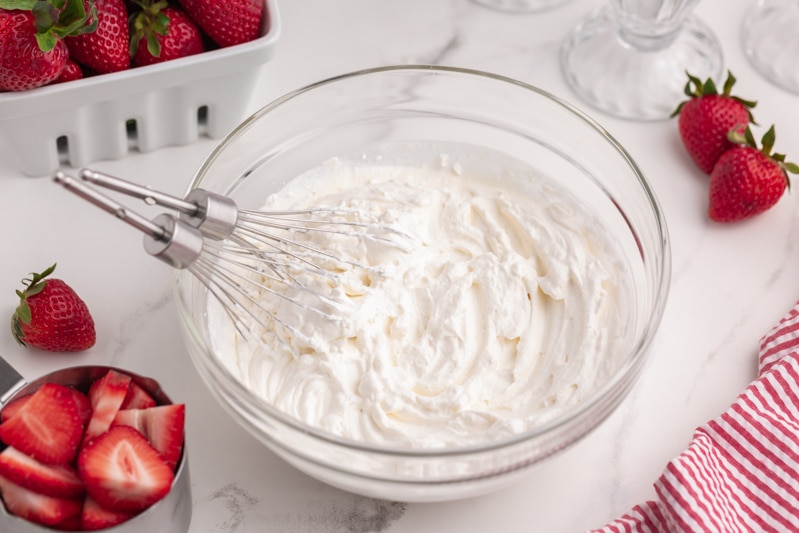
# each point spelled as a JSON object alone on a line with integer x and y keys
{"x": 741, "y": 469}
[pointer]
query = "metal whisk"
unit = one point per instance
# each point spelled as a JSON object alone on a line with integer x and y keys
{"x": 237, "y": 253}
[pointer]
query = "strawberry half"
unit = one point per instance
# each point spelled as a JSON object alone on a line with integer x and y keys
{"x": 13, "y": 407}
{"x": 747, "y": 181}
{"x": 137, "y": 398}
{"x": 60, "y": 481}
{"x": 48, "y": 427}
{"x": 706, "y": 118}
{"x": 123, "y": 472}
{"x": 106, "y": 396}
{"x": 162, "y": 426}
{"x": 51, "y": 316}
{"x": 95, "y": 517}
{"x": 39, "y": 508}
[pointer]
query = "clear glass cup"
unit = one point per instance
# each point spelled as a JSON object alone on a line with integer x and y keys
{"x": 771, "y": 41}
{"x": 522, "y": 6}
{"x": 629, "y": 58}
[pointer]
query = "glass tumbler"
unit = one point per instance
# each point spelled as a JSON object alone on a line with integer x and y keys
{"x": 521, "y": 6}
{"x": 771, "y": 41}
{"x": 630, "y": 58}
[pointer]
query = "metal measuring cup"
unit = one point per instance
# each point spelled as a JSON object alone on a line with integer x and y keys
{"x": 172, "y": 514}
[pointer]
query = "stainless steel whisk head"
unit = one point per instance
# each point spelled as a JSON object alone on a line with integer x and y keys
{"x": 239, "y": 253}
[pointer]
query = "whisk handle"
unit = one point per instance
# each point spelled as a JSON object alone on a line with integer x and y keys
{"x": 109, "y": 205}
{"x": 165, "y": 237}
{"x": 141, "y": 192}
{"x": 213, "y": 214}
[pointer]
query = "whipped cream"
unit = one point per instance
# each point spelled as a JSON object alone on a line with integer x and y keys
{"x": 485, "y": 307}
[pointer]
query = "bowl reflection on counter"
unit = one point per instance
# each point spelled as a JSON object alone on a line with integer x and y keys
{"x": 352, "y": 114}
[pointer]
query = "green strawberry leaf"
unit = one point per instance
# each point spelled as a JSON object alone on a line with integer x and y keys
{"x": 728, "y": 83}
{"x": 46, "y": 41}
{"x": 153, "y": 46}
{"x": 709, "y": 87}
{"x": 793, "y": 168}
{"x": 23, "y": 312}
{"x": 46, "y": 16}
{"x": 26, "y": 5}
{"x": 768, "y": 141}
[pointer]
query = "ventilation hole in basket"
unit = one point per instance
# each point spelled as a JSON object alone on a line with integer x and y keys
{"x": 132, "y": 131}
{"x": 202, "y": 120}
{"x": 62, "y": 148}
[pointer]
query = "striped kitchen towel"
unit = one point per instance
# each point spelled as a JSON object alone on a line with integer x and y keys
{"x": 741, "y": 469}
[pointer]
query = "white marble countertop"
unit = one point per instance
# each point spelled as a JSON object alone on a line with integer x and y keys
{"x": 730, "y": 282}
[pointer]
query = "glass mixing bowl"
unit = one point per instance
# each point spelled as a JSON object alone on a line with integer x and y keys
{"x": 356, "y": 112}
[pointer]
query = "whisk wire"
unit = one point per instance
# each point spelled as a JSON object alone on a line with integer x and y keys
{"x": 241, "y": 255}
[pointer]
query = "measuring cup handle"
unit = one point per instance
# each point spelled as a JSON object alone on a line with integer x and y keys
{"x": 10, "y": 381}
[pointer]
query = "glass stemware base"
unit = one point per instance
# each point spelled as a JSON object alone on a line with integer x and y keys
{"x": 634, "y": 75}
{"x": 771, "y": 41}
{"x": 521, "y": 6}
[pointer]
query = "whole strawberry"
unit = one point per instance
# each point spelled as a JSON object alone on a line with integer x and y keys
{"x": 32, "y": 52}
{"x": 105, "y": 49}
{"x": 707, "y": 117}
{"x": 51, "y": 316}
{"x": 160, "y": 32}
{"x": 227, "y": 23}
{"x": 746, "y": 180}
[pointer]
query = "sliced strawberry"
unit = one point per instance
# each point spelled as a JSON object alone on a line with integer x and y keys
{"x": 60, "y": 481}
{"x": 162, "y": 426}
{"x": 83, "y": 404}
{"x": 137, "y": 398}
{"x": 122, "y": 472}
{"x": 73, "y": 523}
{"x": 47, "y": 427}
{"x": 106, "y": 396}
{"x": 96, "y": 517}
{"x": 13, "y": 406}
{"x": 38, "y": 508}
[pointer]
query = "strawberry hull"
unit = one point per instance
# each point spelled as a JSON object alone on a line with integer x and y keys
{"x": 172, "y": 103}
{"x": 172, "y": 514}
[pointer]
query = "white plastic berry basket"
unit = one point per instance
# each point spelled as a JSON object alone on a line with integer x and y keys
{"x": 143, "y": 108}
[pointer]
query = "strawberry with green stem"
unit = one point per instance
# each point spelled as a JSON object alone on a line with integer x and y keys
{"x": 104, "y": 50}
{"x": 748, "y": 180}
{"x": 51, "y": 316}
{"x": 32, "y": 32}
{"x": 706, "y": 118}
{"x": 160, "y": 32}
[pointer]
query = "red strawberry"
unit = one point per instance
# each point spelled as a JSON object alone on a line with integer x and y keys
{"x": 160, "y": 33}
{"x": 51, "y": 316}
{"x": 106, "y": 396}
{"x": 227, "y": 23}
{"x": 137, "y": 398}
{"x": 38, "y": 508}
{"x": 71, "y": 72}
{"x": 83, "y": 404}
{"x": 707, "y": 117}
{"x": 96, "y": 517}
{"x": 60, "y": 481}
{"x": 47, "y": 427}
{"x": 162, "y": 426}
{"x": 32, "y": 53}
{"x": 123, "y": 472}
{"x": 105, "y": 49}
{"x": 23, "y": 65}
{"x": 13, "y": 407}
{"x": 746, "y": 180}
